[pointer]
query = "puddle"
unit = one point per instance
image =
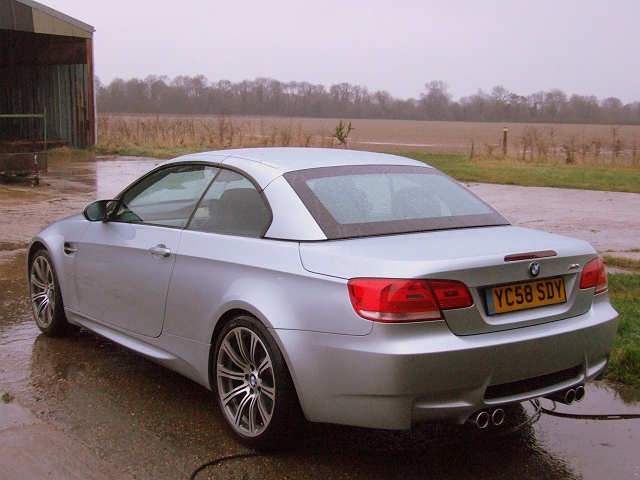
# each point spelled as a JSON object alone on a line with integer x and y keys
{"x": 158, "y": 424}
{"x": 64, "y": 190}
{"x": 115, "y": 175}
{"x": 596, "y": 448}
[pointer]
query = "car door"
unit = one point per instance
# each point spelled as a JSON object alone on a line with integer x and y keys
{"x": 124, "y": 265}
{"x": 221, "y": 245}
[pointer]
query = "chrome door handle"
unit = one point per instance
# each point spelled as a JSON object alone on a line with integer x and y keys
{"x": 160, "y": 251}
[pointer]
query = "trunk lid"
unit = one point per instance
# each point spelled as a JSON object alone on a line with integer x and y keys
{"x": 474, "y": 256}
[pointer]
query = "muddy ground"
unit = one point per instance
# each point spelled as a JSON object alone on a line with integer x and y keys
{"x": 82, "y": 407}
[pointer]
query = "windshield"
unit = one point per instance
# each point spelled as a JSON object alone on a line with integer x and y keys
{"x": 364, "y": 200}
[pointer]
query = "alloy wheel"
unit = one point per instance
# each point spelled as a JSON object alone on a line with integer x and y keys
{"x": 43, "y": 291}
{"x": 246, "y": 381}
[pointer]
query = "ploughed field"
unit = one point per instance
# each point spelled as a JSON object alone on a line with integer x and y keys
{"x": 589, "y": 144}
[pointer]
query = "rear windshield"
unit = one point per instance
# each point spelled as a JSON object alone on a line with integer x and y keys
{"x": 366, "y": 200}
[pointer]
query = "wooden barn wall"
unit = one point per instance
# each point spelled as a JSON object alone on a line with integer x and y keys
{"x": 39, "y": 71}
{"x": 62, "y": 89}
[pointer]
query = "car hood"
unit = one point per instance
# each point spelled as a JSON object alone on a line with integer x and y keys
{"x": 430, "y": 254}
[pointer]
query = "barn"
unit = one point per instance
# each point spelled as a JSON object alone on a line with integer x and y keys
{"x": 46, "y": 79}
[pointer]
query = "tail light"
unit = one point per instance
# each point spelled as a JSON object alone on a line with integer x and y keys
{"x": 594, "y": 276}
{"x": 391, "y": 300}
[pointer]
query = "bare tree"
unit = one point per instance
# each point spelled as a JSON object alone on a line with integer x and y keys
{"x": 266, "y": 96}
{"x": 436, "y": 101}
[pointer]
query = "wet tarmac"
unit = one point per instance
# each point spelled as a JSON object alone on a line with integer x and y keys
{"x": 83, "y": 407}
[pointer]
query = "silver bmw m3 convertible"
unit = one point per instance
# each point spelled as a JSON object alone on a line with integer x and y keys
{"x": 338, "y": 286}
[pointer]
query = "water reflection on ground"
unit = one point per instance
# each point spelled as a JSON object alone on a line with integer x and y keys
{"x": 161, "y": 425}
{"x": 115, "y": 174}
{"x": 137, "y": 413}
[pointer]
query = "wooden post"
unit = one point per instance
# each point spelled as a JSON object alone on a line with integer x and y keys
{"x": 505, "y": 134}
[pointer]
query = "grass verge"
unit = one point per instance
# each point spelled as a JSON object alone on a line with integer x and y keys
{"x": 138, "y": 151}
{"x": 624, "y": 366}
{"x": 122, "y": 150}
{"x": 71, "y": 153}
{"x": 628, "y": 263}
{"x": 516, "y": 172}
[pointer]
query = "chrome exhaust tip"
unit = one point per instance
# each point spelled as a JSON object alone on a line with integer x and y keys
{"x": 482, "y": 419}
{"x": 567, "y": 396}
{"x": 570, "y": 396}
{"x": 580, "y": 393}
{"x": 497, "y": 417}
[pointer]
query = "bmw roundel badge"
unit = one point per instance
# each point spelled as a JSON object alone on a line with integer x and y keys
{"x": 534, "y": 269}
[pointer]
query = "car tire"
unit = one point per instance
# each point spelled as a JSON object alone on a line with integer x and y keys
{"x": 45, "y": 295}
{"x": 253, "y": 387}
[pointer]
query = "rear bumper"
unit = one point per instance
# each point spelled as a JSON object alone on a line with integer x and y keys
{"x": 402, "y": 374}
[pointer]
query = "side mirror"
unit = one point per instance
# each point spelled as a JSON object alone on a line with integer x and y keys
{"x": 99, "y": 211}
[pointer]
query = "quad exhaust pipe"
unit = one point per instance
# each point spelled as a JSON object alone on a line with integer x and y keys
{"x": 568, "y": 396}
{"x": 484, "y": 418}
{"x": 580, "y": 393}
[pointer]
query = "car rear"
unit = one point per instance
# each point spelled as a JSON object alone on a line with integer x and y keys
{"x": 468, "y": 313}
{"x": 446, "y": 354}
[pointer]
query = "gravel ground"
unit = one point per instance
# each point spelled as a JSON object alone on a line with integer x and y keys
{"x": 610, "y": 221}
{"x": 86, "y": 408}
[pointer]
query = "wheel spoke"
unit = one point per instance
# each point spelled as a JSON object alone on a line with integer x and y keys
{"x": 231, "y": 374}
{"x": 39, "y": 297}
{"x": 48, "y": 313}
{"x": 252, "y": 413}
{"x": 269, "y": 392}
{"x": 233, "y": 394}
{"x": 41, "y": 307}
{"x": 239, "y": 416}
{"x": 266, "y": 415}
{"x": 44, "y": 312}
{"x": 264, "y": 366}
{"x": 255, "y": 341}
{"x": 43, "y": 270}
{"x": 233, "y": 356}
{"x": 37, "y": 268}
{"x": 37, "y": 282}
{"x": 242, "y": 350}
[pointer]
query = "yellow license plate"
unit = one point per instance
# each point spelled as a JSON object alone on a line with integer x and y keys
{"x": 519, "y": 296}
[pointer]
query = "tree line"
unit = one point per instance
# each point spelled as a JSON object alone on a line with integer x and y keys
{"x": 268, "y": 97}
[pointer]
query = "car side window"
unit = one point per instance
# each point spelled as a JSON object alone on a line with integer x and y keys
{"x": 167, "y": 197}
{"x": 232, "y": 206}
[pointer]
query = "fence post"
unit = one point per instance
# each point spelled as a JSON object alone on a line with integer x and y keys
{"x": 505, "y": 134}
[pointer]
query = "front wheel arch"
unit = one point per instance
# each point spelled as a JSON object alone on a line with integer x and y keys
{"x": 45, "y": 296}
{"x": 33, "y": 249}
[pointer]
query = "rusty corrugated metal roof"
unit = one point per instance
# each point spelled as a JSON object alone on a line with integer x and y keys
{"x": 30, "y": 16}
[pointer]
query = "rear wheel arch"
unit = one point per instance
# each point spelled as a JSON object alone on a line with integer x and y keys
{"x": 224, "y": 319}
{"x": 286, "y": 414}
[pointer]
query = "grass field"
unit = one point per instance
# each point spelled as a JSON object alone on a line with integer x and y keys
{"x": 511, "y": 171}
{"x": 624, "y": 291}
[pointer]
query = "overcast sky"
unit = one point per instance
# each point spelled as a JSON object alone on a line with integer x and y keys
{"x": 586, "y": 47}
